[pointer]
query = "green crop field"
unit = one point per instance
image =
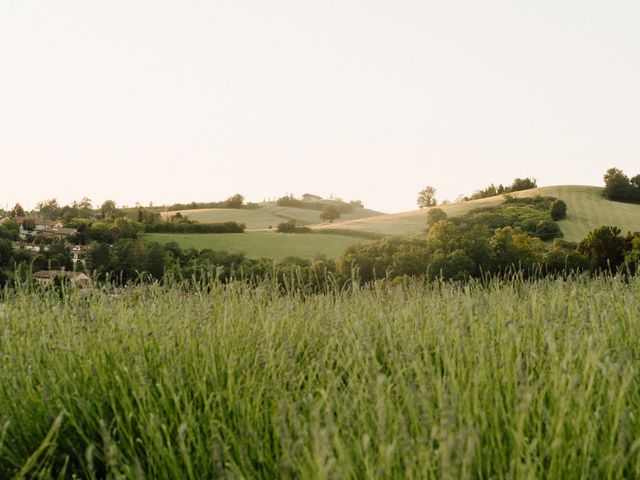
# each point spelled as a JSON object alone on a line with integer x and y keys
{"x": 266, "y": 216}
{"x": 263, "y": 244}
{"x": 586, "y": 210}
{"x": 510, "y": 380}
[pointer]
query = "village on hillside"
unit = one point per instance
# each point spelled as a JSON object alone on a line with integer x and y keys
{"x": 38, "y": 234}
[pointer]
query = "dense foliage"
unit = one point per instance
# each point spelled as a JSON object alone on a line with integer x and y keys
{"x": 493, "y": 190}
{"x": 195, "y": 227}
{"x": 314, "y": 204}
{"x": 503, "y": 380}
{"x": 618, "y": 186}
{"x": 292, "y": 226}
{"x": 492, "y": 241}
{"x": 234, "y": 201}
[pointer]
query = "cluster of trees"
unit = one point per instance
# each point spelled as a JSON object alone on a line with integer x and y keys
{"x": 493, "y": 190}
{"x": 234, "y": 201}
{"x": 535, "y": 216}
{"x": 618, "y": 186}
{"x": 312, "y": 203}
{"x": 454, "y": 254}
{"x": 292, "y": 226}
{"x": 108, "y": 230}
{"x": 483, "y": 241}
{"x": 132, "y": 260}
{"x": 427, "y": 196}
{"x": 83, "y": 208}
{"x": 194, "y": 227}
{"x": 51, "y": 210}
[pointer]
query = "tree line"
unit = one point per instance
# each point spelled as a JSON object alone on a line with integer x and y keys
{"x": 427, "y": 196}
{"x": 519, "y": 235}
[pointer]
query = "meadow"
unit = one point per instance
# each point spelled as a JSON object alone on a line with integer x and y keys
{"x": 510, "y": 379}
{"x": 276, "y": 246}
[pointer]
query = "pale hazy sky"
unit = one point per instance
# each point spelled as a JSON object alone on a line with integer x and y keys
{"x": 141, "y": 100}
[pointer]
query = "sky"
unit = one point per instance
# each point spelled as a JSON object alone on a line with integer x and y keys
{"x": 175, "y": 101}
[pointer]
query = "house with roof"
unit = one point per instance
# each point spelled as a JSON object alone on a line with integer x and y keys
{"x": 58, "y": 233}
{"x": 47, "y": 278}
{"x": 39, "y": 225}
{"x": 310, "y": 197}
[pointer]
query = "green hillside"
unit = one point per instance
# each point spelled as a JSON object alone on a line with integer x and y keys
{"x": 263, "y": 244}
{"x": 586, "y": 210}
{"x": 266, "y": 216}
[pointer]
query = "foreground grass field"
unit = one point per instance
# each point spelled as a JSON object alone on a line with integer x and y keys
{"x": 266, "y": 216}
{"x": 586, "y": 209}
{"x": 262, "y": 244}
{"x": 513, "y": 380}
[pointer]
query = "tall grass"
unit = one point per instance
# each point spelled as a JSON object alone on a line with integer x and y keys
{"x": 506, "y": 380}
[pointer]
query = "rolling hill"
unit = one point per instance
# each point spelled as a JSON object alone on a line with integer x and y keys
{"x": 586, "y": 210}
{"x": 266, "y": 216}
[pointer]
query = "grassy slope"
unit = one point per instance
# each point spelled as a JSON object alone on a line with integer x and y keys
{"x": 266, "y": 216}
{"x": 263, "y": 244}
{"x": 585, "y": 207}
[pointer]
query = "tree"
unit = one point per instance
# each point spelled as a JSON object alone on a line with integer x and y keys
{"x": 443, "y": 237}
{"x": 128, "y": 258}
{"x": 558, "y": 210}
{"x": 235, "y": 201}
{"x": 85, "y": 203}
{"x": 17, "y": 211}
{"x": 454, "y": 266}
{"x": 512, "y": 248}
{"x": 604, "y": 247}
{"x": 10, "y": 230}
{"x": 329, "y": 213}
{"x": 108, "y": 209}
{"x": 617, "y": 186}
{"x": 546, "y": 230}
{"x": 49, "y": 208}
{"x": 6, "y": 252}
{"x": 563, "y": 258}
{"x": 427, "y": 197}
{"x": 98, "y": 258}
{"x": 435, "y": 215}
{"x": 632, "y": 255}
{"x": 58, "y": 256}
{"x": 155, "y": 260}
{"x": 29, "y": 224}
{"x": 523, "y": 184}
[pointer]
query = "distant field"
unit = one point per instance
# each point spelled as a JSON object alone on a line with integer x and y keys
{"x": 264, "y": 217}
{"x": 586, "y": 209}
{"x": 263, "y": 244}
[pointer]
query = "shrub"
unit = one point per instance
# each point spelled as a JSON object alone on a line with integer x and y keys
{"x": 558, "y": 210}
{"x": 546, "y": 230}
{"x": 292, "y": 227}
{"x": 435, "y": 215}
{"x": 173, "y": 227}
